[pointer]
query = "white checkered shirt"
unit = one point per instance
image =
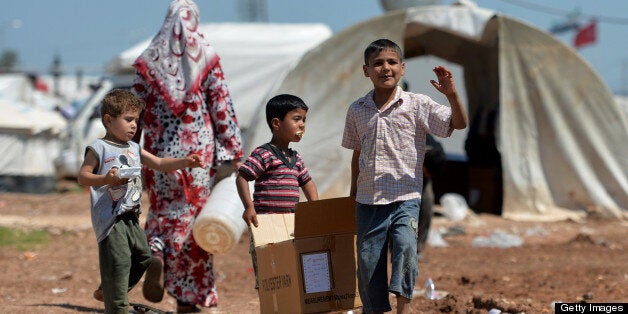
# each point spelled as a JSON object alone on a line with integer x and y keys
{"x": 392, "y": 144}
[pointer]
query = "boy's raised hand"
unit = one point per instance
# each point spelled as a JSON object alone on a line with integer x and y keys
{"x": 194, "y": 161}
{"x": 445, "y": 82}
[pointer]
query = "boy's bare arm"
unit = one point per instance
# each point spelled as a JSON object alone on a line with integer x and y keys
{"x": 249, "y": 215}
{"x": 310, "y": 191}
{"x": 87, "y": 177}
{"x": 355, "y": 171}
{"x": 447, "y": 86}
{"x": 170, "y": 163}
{"x": 459, "y": 118}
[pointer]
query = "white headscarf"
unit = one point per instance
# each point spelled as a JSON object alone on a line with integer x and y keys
{"x": 178, "y": 58}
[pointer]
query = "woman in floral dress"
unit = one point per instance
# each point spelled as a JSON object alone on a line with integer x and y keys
{"x": 188, "y": 110}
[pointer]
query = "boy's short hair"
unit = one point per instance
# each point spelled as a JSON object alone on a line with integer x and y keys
{"x": 380, "y": 45}
{"x": 280, "y": 105}
{"x": 118, "y": 101}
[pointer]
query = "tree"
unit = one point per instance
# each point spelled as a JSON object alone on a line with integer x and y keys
{"x": 8, "y": 60}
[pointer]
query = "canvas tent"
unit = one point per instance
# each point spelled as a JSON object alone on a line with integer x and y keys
{"x": 623, "y": 103}
{"x": 30, "y": 135}
{"x": 561, "y": 135}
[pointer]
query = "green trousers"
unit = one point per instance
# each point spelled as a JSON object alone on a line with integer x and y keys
{"x": 124, "y": 256}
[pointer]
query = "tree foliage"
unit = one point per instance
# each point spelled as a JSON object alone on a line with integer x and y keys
{"x": 8, "y": 60}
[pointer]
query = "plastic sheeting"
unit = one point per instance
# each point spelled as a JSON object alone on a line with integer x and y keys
{"x": 561, "y": 136}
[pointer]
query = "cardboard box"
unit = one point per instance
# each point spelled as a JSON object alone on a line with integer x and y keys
{"x": 306, "y": 261}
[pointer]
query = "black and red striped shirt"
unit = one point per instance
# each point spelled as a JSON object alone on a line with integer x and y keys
{"x": 277, "y": 178}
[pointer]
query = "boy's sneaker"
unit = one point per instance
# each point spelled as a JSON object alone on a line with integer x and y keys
{"x": 153, "y": 288}
{"x": 98, "y": 295}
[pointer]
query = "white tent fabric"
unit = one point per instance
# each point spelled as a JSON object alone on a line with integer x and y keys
{"x": 254, "y": 57}
{"x": 28, "y": 137}
{"x": 560, "y": 133}
{"x": 623, "y": 103}
{"x": 563, "y": 138}
{"x": 29, "y": 131}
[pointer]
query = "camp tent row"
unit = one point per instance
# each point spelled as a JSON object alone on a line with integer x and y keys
{"x": 560, "y": 134}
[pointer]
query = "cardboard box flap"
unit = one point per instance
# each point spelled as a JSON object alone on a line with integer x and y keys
{"x": 273, "y": 228}
{"x": 325, "y": 217}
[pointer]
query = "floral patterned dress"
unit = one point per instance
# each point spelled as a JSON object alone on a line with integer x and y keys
{"x": 208, "y": 127}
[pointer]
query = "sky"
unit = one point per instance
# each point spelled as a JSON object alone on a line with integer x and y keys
{"x": 87, "y": 34}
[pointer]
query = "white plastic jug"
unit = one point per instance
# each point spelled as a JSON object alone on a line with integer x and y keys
{"x": 219, "y": 225}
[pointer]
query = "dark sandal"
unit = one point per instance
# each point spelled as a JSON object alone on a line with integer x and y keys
{"x": 153, "y": 288}
{"x": 184, "y": 307}
{"x": 98, "y": 295}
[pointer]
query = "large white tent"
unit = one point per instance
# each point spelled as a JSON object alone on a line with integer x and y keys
{"x": 561, "y": 135}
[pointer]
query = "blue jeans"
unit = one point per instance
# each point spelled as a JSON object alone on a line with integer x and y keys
{"x": 377, "y": 226}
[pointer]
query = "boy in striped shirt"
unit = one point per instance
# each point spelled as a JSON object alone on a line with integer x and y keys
{"x": 278, "y": 171}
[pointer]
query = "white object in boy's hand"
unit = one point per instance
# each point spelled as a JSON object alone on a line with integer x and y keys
{"x": 129, "y": 172}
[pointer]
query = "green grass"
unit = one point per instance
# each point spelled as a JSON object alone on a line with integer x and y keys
{"x": 22, "y": 239}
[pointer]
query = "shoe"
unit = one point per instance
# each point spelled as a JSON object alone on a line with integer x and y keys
{"x": 153, "y": 288}
{"x": 183, "y": 307}
{"x": 98, "y": 295}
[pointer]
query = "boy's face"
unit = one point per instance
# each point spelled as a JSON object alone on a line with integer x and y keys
{"x": 292, "y": 127}
{"x": 385, "y": 69}
{"x": 123, "y": 127}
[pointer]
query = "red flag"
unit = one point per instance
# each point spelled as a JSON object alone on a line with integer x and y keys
{"x": 586, "y": 35}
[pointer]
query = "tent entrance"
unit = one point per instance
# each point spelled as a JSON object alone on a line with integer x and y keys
{"x": 476, "y": 173}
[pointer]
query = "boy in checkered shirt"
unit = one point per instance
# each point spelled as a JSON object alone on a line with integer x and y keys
{"x": 386, "y": 129}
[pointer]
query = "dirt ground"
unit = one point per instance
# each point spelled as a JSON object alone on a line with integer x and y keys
{"x": 559, "y": 261}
